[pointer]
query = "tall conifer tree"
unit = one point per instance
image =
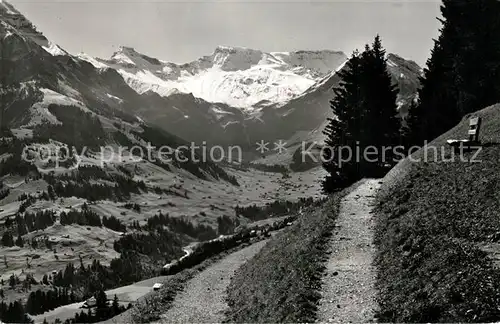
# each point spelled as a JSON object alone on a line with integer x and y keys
{"x": 463, "y": 72}
{"x": 380, "y": 95}
{"x": 365, "y": 114}
{"x": 344, "y": 128}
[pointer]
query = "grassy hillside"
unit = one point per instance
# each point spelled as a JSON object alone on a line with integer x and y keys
{"x": 438, "y": 231}
{"x": 281, "y": 283}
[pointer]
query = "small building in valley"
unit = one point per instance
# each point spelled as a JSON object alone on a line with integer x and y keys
{"x": 89, "y": 303}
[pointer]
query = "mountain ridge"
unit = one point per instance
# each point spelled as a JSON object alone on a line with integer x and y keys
{"x": 142, "y": 87}
{"x": 237, "y": 76}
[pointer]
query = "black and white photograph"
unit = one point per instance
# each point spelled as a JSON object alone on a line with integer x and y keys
{"x": 249, "y": 161}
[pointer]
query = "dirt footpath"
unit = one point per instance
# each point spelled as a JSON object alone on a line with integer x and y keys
{"x": 348, "y": 293}
{"x": 204, "y": 298}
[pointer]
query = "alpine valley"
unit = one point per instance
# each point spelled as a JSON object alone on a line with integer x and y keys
{"x": 101, "y": 214}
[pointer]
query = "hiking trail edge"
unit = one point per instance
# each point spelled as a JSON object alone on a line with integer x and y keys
{"x": 348, "y": 288}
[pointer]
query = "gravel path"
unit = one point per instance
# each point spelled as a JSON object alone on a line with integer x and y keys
{"x": 348, "y": 293}
{"x": 204, "y": 298}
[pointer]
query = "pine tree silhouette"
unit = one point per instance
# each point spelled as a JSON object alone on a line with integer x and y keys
{"x": 366, "y": 115}
{"x": 382, "y": 125}
{"x": 463, "y": 72}
{"x": 345, "y": 127}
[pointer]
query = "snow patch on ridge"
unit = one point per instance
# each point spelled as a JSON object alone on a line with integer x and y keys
{"x": 91, "y": 60}
{"x": 230, "y": 123}
{"x": 115, "y": 98}
{"x": 8, "y": 34}
{"x": 54, "y": 50}
{"x": 143, "y": 81}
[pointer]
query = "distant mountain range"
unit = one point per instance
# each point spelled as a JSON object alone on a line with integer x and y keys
{"x": 239, "y": 77}
{"x": 233, "y": 96}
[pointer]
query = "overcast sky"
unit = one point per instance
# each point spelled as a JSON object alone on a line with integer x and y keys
{"x": 182, "y": 31}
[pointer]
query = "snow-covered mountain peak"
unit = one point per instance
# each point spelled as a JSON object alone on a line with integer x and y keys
{"x": 236, "y": 58}
{"x": 223, "y": 49}
{"x": 128, "y": 56}
{"x": 317, "y": 63}
{"x": 124, "y": 55}
{"x": 126, "y": 49}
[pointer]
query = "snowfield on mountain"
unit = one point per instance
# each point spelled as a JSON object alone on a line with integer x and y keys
{"x": 239, "y": 77}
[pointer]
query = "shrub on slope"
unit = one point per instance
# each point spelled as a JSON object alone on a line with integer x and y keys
{"x": 281, "y": 283}
{"x": 434, "y": 218}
